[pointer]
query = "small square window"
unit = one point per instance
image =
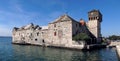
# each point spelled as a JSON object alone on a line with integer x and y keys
{"x": 36, "y": 39}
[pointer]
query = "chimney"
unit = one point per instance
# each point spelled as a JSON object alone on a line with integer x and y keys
{"x": 82, "y": 22}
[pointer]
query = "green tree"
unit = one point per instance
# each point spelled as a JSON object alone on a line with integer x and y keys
{"x": 81, "y": 36}
{"x": 114, "y": 37}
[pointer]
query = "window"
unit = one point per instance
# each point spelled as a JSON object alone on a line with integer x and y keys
{"x": 76, "y": 25}
{"x": 36, "y": 39}
{"x": 54, "y": 33}
{"x": 54, "y": 25}
{"x": 94, "y": 18}
{"x": 79, "y": 25}
{"x": 38, "y": 34}
{"x": 89, "y": 18}
{"x": 43, "y": 41}
{"x": 42, "y": 32}
{"x": 31, "y": 34}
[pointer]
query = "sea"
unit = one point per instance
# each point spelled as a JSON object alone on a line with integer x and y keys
{"x": 12, "y": 52}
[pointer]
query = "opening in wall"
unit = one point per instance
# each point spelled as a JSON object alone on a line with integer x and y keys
{"x": 54, "y": 25}
{"x": 38, "y": 34}
{"x": 54, "y": 33}
{"x": 36, "y": 39}
{"x": 43, "y": 41}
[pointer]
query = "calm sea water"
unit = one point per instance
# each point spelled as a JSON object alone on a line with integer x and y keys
{"x": 10, "y": 52}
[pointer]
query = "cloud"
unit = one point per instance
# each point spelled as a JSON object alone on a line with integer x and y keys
{"x": 16, "y": 6}
{"x": 16, "y": 16}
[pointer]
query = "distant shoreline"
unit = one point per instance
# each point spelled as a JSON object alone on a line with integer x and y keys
{"x": 5, "y": 36}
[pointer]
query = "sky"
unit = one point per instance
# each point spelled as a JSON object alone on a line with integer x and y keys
{"x": 17, "y": 13}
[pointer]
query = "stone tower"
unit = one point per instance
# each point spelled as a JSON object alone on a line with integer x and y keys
{"x": 94, "y": 23}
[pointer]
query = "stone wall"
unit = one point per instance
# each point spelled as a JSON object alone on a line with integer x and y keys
{"x": 60, "y": 33}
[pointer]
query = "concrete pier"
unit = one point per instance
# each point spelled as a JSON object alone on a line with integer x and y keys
{"x": 118, "y": 50}
{"x": 114, "y": 44}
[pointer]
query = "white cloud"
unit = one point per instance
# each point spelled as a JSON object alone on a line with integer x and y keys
{"x": 19, "y": 17}
{"x": 8, "y": 20}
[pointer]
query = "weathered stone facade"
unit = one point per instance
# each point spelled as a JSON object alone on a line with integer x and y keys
{"x": 58, "y": 33}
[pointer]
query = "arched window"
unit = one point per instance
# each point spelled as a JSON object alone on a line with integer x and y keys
{"x": 91, "y": 18}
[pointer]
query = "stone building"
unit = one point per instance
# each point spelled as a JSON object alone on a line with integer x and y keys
{"x": 60, "y": 32}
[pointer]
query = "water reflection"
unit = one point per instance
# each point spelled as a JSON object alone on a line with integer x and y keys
{"x": 36, "y": 53}
{"x": 11, "y": 52}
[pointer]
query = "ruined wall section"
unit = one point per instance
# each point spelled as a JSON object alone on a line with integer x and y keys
{"x": 30, "y": 35}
